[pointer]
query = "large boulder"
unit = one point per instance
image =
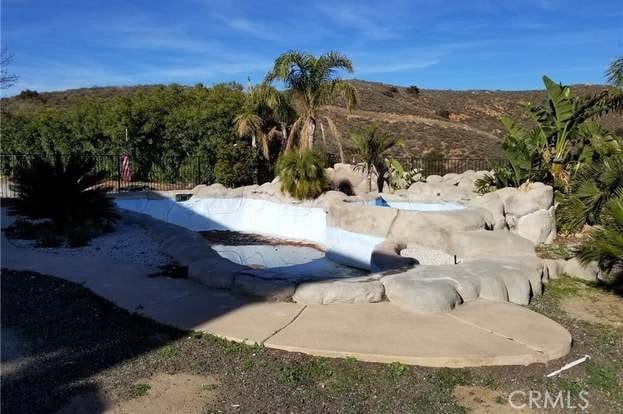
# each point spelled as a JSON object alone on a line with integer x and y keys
{"x": 472, "y": 245}
{"x": 538, "y": 227}
{"x": 416, "y": 295}
{"x": 359, "y": 218}
{"x": 528, "y": 199}
{"x": 440, "y": 288}
{"x": 346, "y": 291}
{"x": 552, "y": 268}
{"x": 433, "y": 228}
{"x": 574, "y": 268}
{"x": 493, "y": 203}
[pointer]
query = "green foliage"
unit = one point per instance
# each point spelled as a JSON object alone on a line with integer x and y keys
{"x": 399, "y": 177}
{"x": 166, "y": 126}
{"x": 265, "y": 116}
{"x": 370, "y": 147}
{"x": 591, "y": 188}
{"x": 302, "y": 173}
{"x": 395, "y": 370}
{"x": 559, "y": 141}
{"x": 604, "y": 243}
{"x": 236, "y": 165}
{"x": 139, "y": 390}
{"x": 64, "y": 191}
{"x": 313, "y": 83}
{"x": 614, "y": 74}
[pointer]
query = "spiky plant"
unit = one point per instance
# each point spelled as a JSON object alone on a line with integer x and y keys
{"x": 604, "y": 243}
{"x": 313, "y": 83}
{"x": 591, "y": 189}
{"x": 370, "y": 146}
{"x": 614, "y": 74}
{"x": 302, "y": 173}
{"x": 63, "y": 191}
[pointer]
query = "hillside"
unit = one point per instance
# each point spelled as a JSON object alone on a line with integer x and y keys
{"x": 462, "y": 124}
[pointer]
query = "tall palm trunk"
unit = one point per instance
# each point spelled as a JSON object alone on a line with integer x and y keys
{"x": 284, "y": 135}
{"x": 311, "y": 132}
{"x": 324, "y": 138}
{"x": 253, "y": 141}
{"x": 336, "y": 135}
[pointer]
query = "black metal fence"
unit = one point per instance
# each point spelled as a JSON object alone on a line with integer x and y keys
{"x": 168, "y": 173}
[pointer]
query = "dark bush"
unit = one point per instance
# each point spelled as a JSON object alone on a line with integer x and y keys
{"x": 29, "y": 94}
{"x": 65, "y": 192}
{"x": 414, "y": 90}
{"x": 443, "y": 113}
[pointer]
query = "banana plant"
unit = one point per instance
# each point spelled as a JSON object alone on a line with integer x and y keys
{"x": 558, "y": 138}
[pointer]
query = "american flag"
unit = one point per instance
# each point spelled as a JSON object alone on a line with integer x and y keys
{"x": 126, "y": 173}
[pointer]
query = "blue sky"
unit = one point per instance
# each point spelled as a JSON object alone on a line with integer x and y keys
{"x": 451, "y": 44}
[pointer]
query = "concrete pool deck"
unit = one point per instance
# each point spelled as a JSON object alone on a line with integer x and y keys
{"x": 475, "y": 334}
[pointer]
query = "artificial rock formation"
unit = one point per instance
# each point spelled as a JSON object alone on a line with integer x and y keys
{"x": 422, "y": 261}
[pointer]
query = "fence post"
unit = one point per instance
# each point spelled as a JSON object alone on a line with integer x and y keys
{"x": 118, "y": 166}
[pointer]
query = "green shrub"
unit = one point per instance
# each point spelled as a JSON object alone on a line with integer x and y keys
{"x": 604, "y": 243}
{"x": 236, "y": 165}
{"x": 64, "y": 192}
{"x": 302, "y": 173}
{"x": 399, "y": 177}
{"x": 591, "y": 188}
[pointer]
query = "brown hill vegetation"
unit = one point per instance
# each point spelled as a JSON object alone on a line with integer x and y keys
{"x": 460, "y": 123}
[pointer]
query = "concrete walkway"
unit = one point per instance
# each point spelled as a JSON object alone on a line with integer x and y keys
{"x": 477, "y": 333}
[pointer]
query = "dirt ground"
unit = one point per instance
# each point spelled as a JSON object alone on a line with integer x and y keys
{"x": 66, "y": 350}
{"x": 161, "y": 393}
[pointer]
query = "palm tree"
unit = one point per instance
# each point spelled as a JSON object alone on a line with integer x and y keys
{"x": 371, "y": 145}
{"x": 615, "y": 72}
{"x": 264, "y": 109}
{"x": 250, "y": 124}
{"x": 313, "y": 84}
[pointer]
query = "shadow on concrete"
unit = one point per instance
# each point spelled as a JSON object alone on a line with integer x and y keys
{"x": 75, "y": 335}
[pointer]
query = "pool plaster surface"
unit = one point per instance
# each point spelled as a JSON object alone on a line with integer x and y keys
{"x": 478, "y": 333}
{"x": 290, "y": 261}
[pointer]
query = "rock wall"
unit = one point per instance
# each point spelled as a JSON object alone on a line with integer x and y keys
{"x": 527, "y": 211}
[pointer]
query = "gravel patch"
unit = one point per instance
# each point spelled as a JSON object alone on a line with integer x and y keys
{"x": 129, "y": 243}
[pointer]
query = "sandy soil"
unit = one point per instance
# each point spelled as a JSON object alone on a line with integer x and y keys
{"x": 165, "y": 393}
{"x": 598, "y": 308}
